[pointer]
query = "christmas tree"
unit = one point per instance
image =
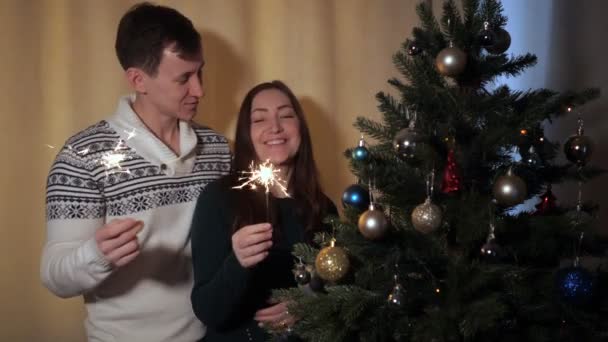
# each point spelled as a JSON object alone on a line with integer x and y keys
{"x": 430, "y": 247}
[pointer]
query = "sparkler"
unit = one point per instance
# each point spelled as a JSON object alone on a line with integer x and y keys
{"x": 265, "y": 175}
{"x": 111, "y": 160}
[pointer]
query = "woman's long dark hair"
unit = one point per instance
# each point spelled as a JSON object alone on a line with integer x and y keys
{"x": 304, "y": 187}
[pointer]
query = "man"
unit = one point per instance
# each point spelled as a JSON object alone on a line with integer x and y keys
{"x": 121, "y": 193}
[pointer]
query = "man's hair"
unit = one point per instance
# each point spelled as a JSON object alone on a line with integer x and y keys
{"x": 147, "y": 29}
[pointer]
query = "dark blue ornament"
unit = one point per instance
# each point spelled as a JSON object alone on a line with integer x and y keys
{"x": 360, "y": 153}
{"x": 575, "y": 285}
{"x": 356, "y": 196}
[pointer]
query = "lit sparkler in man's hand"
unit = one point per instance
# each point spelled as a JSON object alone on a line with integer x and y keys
{"x": 265, "y": 175}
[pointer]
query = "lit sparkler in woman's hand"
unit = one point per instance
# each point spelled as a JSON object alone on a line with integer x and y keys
{"x": 266, "y": 176}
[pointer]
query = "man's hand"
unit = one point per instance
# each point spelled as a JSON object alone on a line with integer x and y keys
{"x": 117, "y": 240}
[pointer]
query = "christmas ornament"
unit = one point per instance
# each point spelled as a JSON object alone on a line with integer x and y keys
{"x": 355, "y": 196}
{"x": 502, "y": 41}
{"x": 491, "y": 251}
{"x": 509, "y": 189}
{"x": 426, "y": 217}
{"x": 452, "y": 179}
{"x": 579, "y": 147}
{"x": 332, "y": 262}
{"x": 301, "y": 274}
{"x": 414, "y": 49}
{"x": 360, "y": 153}
{"x": 408, "y": 143}
{"x": 486, "y": 37}
{"x": 547, "y": 203}
{"x": 451, "y": 61}
{"x": 531, "y": 158}
{"x": 373, "y": 225}
{"x": 396, "y": 297}
{"x": 575, "y": 285}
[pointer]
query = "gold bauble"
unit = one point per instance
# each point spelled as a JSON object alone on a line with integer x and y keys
{"x": 332, "y": 263}
{"x": 426, "y": 217}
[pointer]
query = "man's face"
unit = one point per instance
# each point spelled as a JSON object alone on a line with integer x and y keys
{"x": 177, "y": 87}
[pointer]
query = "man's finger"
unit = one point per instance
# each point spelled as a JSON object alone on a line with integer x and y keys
{"x": 109, "y": 245}
{"x": 115, "y": 228}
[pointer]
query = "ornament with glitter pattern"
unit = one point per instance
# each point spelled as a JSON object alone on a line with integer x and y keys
{"x": 575, "y": 285}
{"x": 452, "y": 179}
{"x": 332, "y": 263}
{"x": 426, "y": 217}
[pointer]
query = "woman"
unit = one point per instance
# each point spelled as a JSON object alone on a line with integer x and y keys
{"x": 241, "y": 249}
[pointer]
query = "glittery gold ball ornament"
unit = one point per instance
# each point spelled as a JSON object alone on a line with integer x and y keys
{"x": 451, "y": 61}
{"x": 427, "y": 217}
{"x": 332, "y": 263}
{"x": 373, "y": 224}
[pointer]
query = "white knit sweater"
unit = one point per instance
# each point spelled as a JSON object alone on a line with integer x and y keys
{"x": 117, "y": 169}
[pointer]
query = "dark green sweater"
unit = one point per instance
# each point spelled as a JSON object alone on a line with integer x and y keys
{"x": 226, "y": 296}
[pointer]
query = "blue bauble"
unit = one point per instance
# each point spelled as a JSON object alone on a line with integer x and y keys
{"x": 575, "y": 285}
{"x": 356, "y": 196}
{"x": 360, "y": 153}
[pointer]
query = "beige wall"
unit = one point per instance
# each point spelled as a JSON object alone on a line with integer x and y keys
{"x": 59, "y": 75}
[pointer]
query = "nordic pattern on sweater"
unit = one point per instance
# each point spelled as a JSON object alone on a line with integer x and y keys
{"x": 96, "y": 174}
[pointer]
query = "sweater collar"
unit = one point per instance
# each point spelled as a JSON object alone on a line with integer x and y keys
{"x": 137, "y": 136}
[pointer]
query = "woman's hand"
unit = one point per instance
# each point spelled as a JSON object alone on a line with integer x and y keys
{"x": 276, "y": 317}
{"x": 251, "y": 243}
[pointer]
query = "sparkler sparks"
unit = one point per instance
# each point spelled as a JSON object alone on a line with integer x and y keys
{"x": 265, "y": 175}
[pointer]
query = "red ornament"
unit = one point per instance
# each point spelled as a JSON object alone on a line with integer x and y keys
{"x": 547, "y": 203}
{"x": 452, "y": 179}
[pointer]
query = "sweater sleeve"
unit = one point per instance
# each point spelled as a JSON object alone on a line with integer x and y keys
{"x": 71, "y": 263}
{"x": 220, "y": 281}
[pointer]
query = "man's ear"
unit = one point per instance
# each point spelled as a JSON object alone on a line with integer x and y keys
{"x": 137, "y": 79}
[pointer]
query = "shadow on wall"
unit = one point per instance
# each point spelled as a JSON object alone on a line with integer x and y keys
{"x": 325, "y": 138}
{"x": 223, "y": 74}
{"x": 578, "y": 62}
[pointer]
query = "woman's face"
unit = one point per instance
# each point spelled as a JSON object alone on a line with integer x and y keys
{"x": 275, "y": 128}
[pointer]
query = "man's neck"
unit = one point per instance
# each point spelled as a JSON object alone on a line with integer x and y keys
{"x": 163, "y": 127}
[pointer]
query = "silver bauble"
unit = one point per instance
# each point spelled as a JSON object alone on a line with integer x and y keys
{"x": 509, "y": 189}
{"x": 407, "y": 144}
{"x": 451, "y": 61}
{"x": 373, "y": 224}
{"x": 426, "y": 217}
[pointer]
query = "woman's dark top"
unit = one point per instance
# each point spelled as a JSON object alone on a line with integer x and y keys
{"x": 226, "y": 295}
